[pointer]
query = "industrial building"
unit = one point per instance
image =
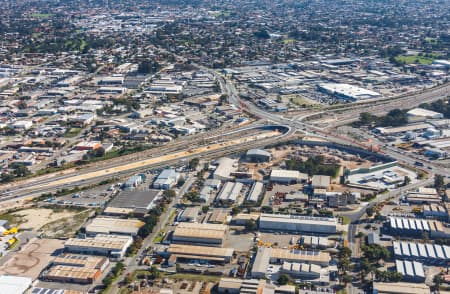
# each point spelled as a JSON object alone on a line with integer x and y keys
{"x": 80, "y": 269}
{"x": 166, "y": 179}
{"x": 140, "y": 202}
{"x": 225, "y": 167}
{"x": 267, "y": 255}
{"x": 210, "y": 254}
{"x": 297, "y": 223}
{"x": 400, "y": 288}
{"x": 229, "y": 193}
{"x": 423, "y": 196}
{"x": 314, "y": 242}
{"x": 189, "y": 214}
{"x": 200, "y": 234}
{"x": 416, "y": 114}
{"x": 435, "y": 211}
{"x": 255, "y": 192}
{"x": 421, "y": 252}
{"x": 287, "y": 176}
{"x": 408, "y": 226}
{"x": 14, "y": 284}
{"x": 109, "y": 225}
{"x": 114, "y": 246}
{"x": 301, "y": 270}
{"x": 258, "y": 155}
{"x": 411, "y": 271}
{"x": 348, "y": 92}
{"x": 320, "y": 181}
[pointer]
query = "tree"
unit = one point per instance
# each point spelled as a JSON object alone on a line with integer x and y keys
{"x": 205, "y": 208}
{"x": 21, "y": 170}
{"x": 438, "y": 182}
{"x": 193, "y": 163}
{"x": 406, "y": 181}
{"x": 370, "y": 211}
{"x": 250, "y": 225}
{"x": 346, "y": 279}
{"x": 283, "y": 279}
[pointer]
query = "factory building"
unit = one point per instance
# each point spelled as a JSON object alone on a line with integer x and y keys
{"x": 166, "y": 179}
{"x": 266, "y": 256}
{"x": 314, "y": 242}
{"x": 400, "y": 288}
{"x": 210, "y": 254}
{"x": 258, "y": 155}
{"x": 225, "y": 167}
{"x": 302, "y": 271}
{"x": 200, "y": 234}
{"x": 287, "y": 176}
{"x": 408, "y": 226}
{"x": 295, "y": 223}
{"x": 137, "y": 202}
{"x": 423, "y": 196}
{"x": 189, "y": 214}
{"x": 348, "y": 92}
{"x": 109, "y": 225}
{"x": 80, "y": 269}
{"x": 320, "y": 181}
{"x": 412, "y": 271}
{"x": 229, "y": 193}
{"x": 433, "y": 254}
{"x": 435, "y": 211}
{"x": 255, "y": 192}
{"x": 114, "y": 246}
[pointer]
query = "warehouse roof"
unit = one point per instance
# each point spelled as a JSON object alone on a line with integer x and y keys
{"x": 194, "y": 230}
{"x": 255, "y": 192}
{"x": 14, "y": 284}
{"x": 401, "y": 288}
{"x": 300, "y": 255}
{"x": 230, "y": 191}
{"x": 111, "y": 242}
{"x": 424, "y": 112}
{"x": 258, "y": 152}
{"x": 288, "y": 174}
{"x": 422, "y": 251}
{"x": 108, "y": 225}
{"x": 297, "y": 219}
{"x": 200, "y": 250}
{"x": 262, "y": 259}
{"x": 410, "y": 269}
{"x": 321, "y": 181}
{"x": 225, "y": 168}
{"x": 301, "y": 267}
{"x": 135, "y": 199}
{"x": 74, "y": 272}
{"x": 86, "y": 261}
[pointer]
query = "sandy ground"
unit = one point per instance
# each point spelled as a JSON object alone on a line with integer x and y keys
{"x": 35, "y": 218}
{"x": 32, "y": 258}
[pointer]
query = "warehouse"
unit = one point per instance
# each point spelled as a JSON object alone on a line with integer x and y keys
{"x": 294, "y": 223}
{"x": 258, "y": 155}
{"x": 435, "y": 211}
{"x": 348, "y": 92}
{"x": 426, "y": 253}
{"x": 261, "y": 263}
{"x": 423, "y": 196}
{"x": 189, "y": 214}
{"x": 279, "y": 255}
{"x": 287, "y": 176}
{"x": 14, "y": 284}
{"x": 416, "y": 114}
{"x": 301, "y": 270}
{"x": 114, "y": 246}
{"x": 314, "y": 242}
{"x": 72, "y": 274}
{"x": 200, "y": 234}
{"x": 410, "y": 227}
{"x": 166, "y": 179}
{"x": 229, "y": 193}
{"x": 210, "y": 254}
{"x": 412, "y": 271}
{"x": 320, "y": 181}
{"x": 400, "y": 288}
{"x": 109, "y": 225}
{"x": 140, "y": 202}
{"x": 226, "y": 166}
{"x": 255, "y": 192}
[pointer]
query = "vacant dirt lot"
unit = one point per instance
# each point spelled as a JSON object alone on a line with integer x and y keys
{"x": 36, "y": 218}
{"x": 32, "y": 258}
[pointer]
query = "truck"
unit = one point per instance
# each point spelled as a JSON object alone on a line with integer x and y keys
{"x": 418, "y": 163}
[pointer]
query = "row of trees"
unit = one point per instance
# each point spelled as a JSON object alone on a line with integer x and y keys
{"x": 394, "y": 118}
{"x": 313, "y": 166}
